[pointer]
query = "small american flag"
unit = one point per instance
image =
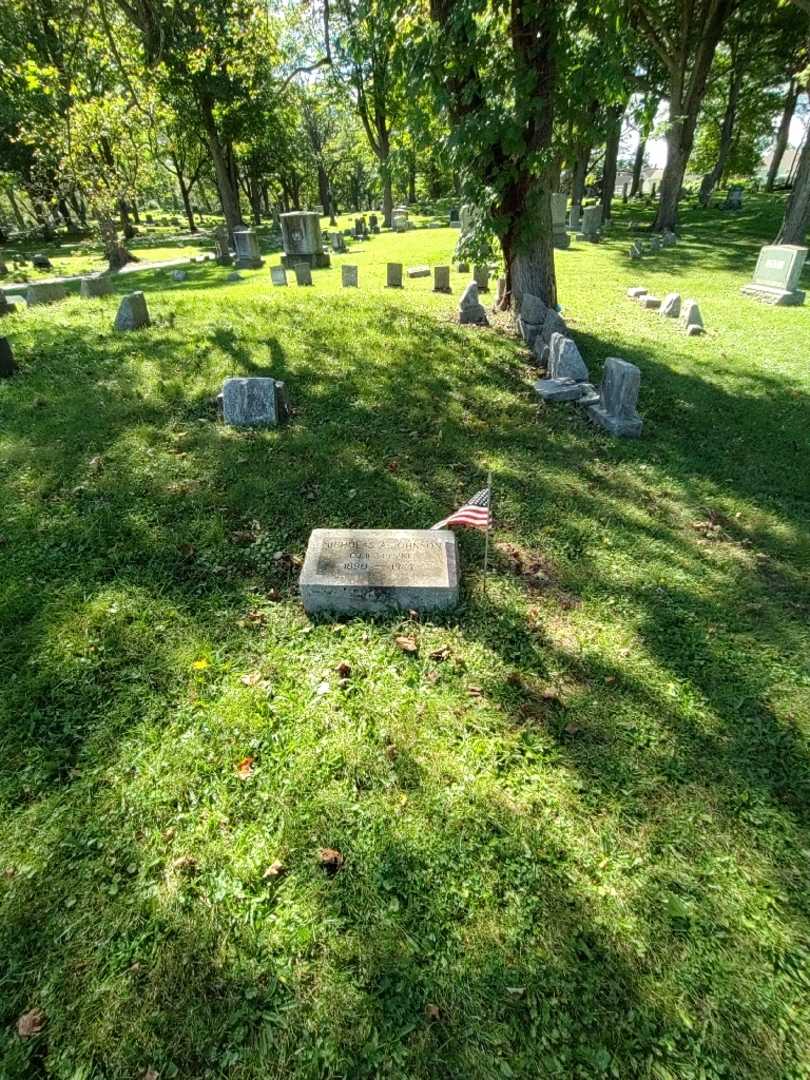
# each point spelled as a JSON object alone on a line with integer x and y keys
{"x": 474, "y": 514}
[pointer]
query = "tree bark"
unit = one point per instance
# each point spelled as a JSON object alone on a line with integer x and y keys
{"x": 185, "y": 196}
{"x": 797, "y": 212}
{"x": 782, "y": 134}
{"x": 228, "y": 190}
{"x": 638, "y": 165}
{"x": 411, "y": 178}
{"x": 388, "y": 191}
{"x": 323, "y": 188}
{"x": 15, "y": 209}
{"x": 611, "y": 156}
{"x": 712, "y": 178}
{"x": 127, "y": 228}
{"x": 580, "y": 173}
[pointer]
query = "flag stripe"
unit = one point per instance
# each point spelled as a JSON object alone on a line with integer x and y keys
{"x": 474, "y": 514}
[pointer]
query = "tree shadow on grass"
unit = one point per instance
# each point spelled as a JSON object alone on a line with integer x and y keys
{"x": 501, "y": 931}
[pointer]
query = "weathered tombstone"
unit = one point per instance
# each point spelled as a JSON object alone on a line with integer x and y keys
{"x": 691, "y": 318}
{"x": 253, "y": 402}
{"x": 248, "y": 255}
{"x": 565, "y": 361}
{"x": 574, "y": 217}
{"x": 656, "y": 244}
{"x": 399, "y": 220}
{"x": 318, "y": 209}
{"x": 470, "y": 308}
{"x": 591, "y": 223}
{"x": 222, "y": 252}
{"x": 339, "y": 242}
{"x": 348, "y": 276}
{"x": 301, "y": 240}
{"x": 463, "y": 268}
{"x": 777, "y": 275}
{"x": 481, "y": 278}
{"x": 303, "y": 274}
{"x": 558, "y": 389}
{"x": 670, "y": 306}
{"x": 559, "y": 202}
{"x": 41, "y": 262}
{"x": 132, "y": 312}
{"x": 553, "y": 323}
{"x": 394, "y": 276}
{"x": 278, "y": 275}
{"x": 418, "y": 271}
{"x": 635, "y": 291}
{"x": 441, "y": 279}
{"x": 360, "y": 229}
{"x": 669, "y": 238}
{"x": 179, "y": 275}
{"x": 733, "y": 199}
{"x": 45, "y": 292}
{"x": 234, "y": 276}
{"x": 373, "y": 221}
{"x": 532, "y": 315}
{"x": 618, "y": 397}
{"x": 8, "y": 365}
{"x": 375, "y": 570}
{"x": 94, "y": 286}
{"x": 636, "y": 251}
{"x": 454, "y": 219}
{"x": 652, "y": 303}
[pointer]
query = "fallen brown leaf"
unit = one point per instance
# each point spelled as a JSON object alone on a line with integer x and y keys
{"x": 330, "y": 859}
{"x": 242, "y": 537}
{"x": 186, "y": 550}
{"x": 344, "y": 670}
{"x": 433, "y": 1012}
{"x": 571, "y": 729}
{"x": 475, "y": 691}
{"x": 407, "y": 644}
{"x": 252, "y": 678}
{"x": 244, "y": 769}
{"x": 440, "y": 654}
{"x": 186, "y": 864}
{"x": 275, "y": 869}
{"x": 150, "y": 1074}
{"x": 30, "y": 1023}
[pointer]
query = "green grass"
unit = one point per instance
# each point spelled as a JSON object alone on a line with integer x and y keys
{"x": 578, "y": 846}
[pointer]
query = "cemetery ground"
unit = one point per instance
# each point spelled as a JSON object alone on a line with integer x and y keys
{"x": 573, "y": 814}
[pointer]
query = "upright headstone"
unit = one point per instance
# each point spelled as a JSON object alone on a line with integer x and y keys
{"x": 394, "y": 276}
{"x": 45, "y": 292}
{"x": 481, "y": 277}
{"x": 338, "y": 242}
{"x": 41, "y": 262}
{"x": 132, "y": 312}
{"x": 8, "y": 365}
{"x": 248, "y": 255}
{"x": 454, "y": 219}
{"x": 399, "y": 220}
{"x": 375, "y": 570}
{"x": 95, "y": 286}
{"x": 574, "y": 217}
{"x": 441, "y": 279}
{"x": 591, "y": 223}
{"x": 470, "y": 308}
{"x": 691, "y": 318}
{"x": 278, "y": 275}
{"x": 565, "y": 361}
{"x": 532, "y": 315}
{"x": 302, "y": 240}
{"x": 463, "y": 268}
{"x": 670, "y": 306}
{"x": 348, "y": 276}
{"x": 618, "y": 396}
{"x": 253, "y": 402}
{"x": 303, "y": 274}
{"x": 559, "y": 202}
{"x": 734, "y": 199}
{"x": 777, "y": 275}
{"x": 222, "y": 252}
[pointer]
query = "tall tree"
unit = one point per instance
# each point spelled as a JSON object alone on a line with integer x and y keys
{"x": 685, "y": 35}
{"x": 783, "y": 132}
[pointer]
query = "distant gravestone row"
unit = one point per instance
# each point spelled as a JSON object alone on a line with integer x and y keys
{"x": 671, "y": 307}
{"x": 640, "y": 248}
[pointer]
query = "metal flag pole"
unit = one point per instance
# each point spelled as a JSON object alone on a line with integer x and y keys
{"x": 489, "y": 522}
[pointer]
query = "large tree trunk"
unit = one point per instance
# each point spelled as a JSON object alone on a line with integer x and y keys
{"x": 15, "y": 209}
{"x": 323, "y": 188}
{"x": 782, "y": 134}
{"x": 611, "y": 156}
{"x": 127, "y": 228}
{"x": 228, "y": 190}
{"x": 528, "y": 251}
{"x": 388, "y": 193}
{"x": 797, "y": 212}
{"x": 65, "y": 212}
{"x": 712, "y": 178}
{"x": 638, "y": 165}
{"x": 412, "y": 179}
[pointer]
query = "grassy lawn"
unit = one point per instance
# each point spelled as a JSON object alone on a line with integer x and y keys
{"x": 574, "y": 823}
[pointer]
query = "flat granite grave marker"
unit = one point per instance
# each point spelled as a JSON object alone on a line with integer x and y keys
{"x": 418, "y": 271}
{"x": 368, "y": 570}
{"x": 348, "y": 276}
{"x": 253, "y": 402}
{"x": 278, "y": 275}
{"x": 45, "y": 292}
{"x": 777, "y": 273}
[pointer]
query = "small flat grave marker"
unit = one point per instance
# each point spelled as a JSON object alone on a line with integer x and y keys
{"x": 367, "y": 570}
{"x": 253, "y": 402}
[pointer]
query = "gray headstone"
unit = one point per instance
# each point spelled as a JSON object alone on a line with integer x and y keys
{"x": 565, "y": 361}
{"x": 636, "y": 291}
{"x": 375, "y": 570}
{"x": 303, "y": 274}
{"x": 618, "y": 397}
{"x": 338, "y": 242}
{"x": 636, "y": 251}
{"x": 394, "y": 276}
{"x": 669, "y": 238}
{"x": 278, "y": 275}
{"x": 670, "y": 306}
{"x": 441, "y": 279}
{"x": 418, "y": 271}
{"x": 248, "y": 254}
{"x": 253, "y": 402}
{"x": 179, "y": 275}
{"x": 470, "y": 309}
{"x": 132, "y": 312}
{"x": 234, "y": 276}
{"x": 45, "y": 292}
{"x": 553, "y": 323}
{"x": 348, "y": 276}
{"x": 574, "y": 217}
{"x": 591, "y": 222}
{"x": 734, "y": 199}
{"x": 93, "y": 287}
{"x": 690, "y": 314}
{"x": 559, "y": 202}
{"x": 222, "y": 252}
{"x": 777, "y": 275}
{"x": 532, "y": 309}
{"x": 558, "y": 389}
{"x": 41, "y": 262}
{"x": 481, "y": 278}
{"x": 463, "y": 268}
{"x": 8, "y": 366}
{"x": 652, "y": 303}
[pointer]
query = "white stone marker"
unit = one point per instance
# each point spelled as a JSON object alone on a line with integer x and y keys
{"x": 670, "y": 306}
{"x": 367, "y": 570}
